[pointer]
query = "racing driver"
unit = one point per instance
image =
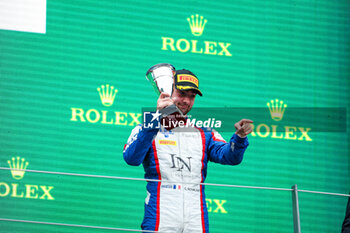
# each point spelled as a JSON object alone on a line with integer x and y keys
{"x": 179, "y": 160}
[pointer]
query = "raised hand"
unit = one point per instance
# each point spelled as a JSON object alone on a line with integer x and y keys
{"x": 243, "y": 127}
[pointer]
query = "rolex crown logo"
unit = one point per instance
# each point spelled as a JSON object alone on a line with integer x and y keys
{"x": 107, "y": 94}
{"x": 277, "y": 109}
{"x": 197, "y": 24}
{"x": 18, "y": 167}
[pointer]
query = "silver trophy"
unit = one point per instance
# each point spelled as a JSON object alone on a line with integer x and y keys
{"x": 161, "y": 77}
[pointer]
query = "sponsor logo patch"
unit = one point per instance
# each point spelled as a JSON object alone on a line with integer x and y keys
{"x": 187, "y": 78}
{"x": 167, "y": 142}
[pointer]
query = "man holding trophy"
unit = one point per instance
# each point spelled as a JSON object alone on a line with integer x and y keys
{"x": 178, "y": 156}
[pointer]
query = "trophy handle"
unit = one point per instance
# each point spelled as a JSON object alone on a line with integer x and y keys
{"x": 171, "y": 110}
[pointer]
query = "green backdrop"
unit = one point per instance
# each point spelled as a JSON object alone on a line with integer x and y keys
{"x": 249, "y": 53}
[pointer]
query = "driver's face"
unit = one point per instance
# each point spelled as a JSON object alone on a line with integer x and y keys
{"x": 184, "y": 100}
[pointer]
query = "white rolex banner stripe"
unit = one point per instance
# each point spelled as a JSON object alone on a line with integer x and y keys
{"x": 23, "y": 15}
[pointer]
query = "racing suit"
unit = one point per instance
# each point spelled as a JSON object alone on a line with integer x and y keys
{"x": 179, "y": 159}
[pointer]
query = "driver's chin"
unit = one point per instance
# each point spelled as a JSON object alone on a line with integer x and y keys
{"x": 184, "y": 110}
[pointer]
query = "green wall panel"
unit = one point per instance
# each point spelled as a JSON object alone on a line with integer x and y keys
{"x": 52, "y": 115}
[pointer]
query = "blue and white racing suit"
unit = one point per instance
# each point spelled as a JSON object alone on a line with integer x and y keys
{"x": 179, "y": 159}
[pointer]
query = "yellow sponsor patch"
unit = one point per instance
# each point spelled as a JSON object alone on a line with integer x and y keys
{"x": 186, "y": 88}
{"x": 187, "y": 78}
{"x": 167, "y": 142}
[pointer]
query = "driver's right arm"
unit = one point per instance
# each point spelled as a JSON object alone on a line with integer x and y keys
{"x": 138, "y": 145}
{"x": 140, "y": 140}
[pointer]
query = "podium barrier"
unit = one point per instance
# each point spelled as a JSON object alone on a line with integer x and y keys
{"x": 294, "y": 190}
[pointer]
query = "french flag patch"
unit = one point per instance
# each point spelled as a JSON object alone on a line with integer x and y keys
{"x": 177, "y": 186}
